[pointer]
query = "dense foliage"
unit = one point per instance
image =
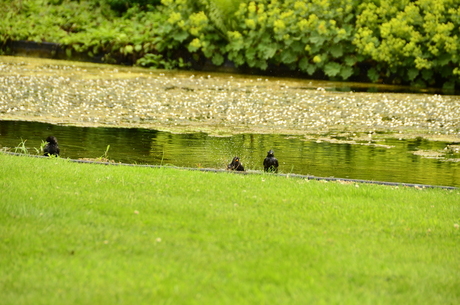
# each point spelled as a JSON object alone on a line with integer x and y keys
{"x": 396, "y": 41}
{"x": 415, "y": 41}
{"x": 305, "y": 36}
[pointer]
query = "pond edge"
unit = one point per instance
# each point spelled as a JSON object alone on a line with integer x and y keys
{"x": 306, "y": 177}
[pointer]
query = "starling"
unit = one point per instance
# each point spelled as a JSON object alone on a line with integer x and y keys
{"x": 235, "y": 165}
{"x": 270, "y": 162}
{"x": 51, "y": 148}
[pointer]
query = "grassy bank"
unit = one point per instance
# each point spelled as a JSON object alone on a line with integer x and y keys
{"x": 92, "y": 234}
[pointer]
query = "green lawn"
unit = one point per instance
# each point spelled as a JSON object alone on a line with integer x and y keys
{"x": 94, "y": 234}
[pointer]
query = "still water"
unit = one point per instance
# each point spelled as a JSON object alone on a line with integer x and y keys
{"x": 296, "y": 154}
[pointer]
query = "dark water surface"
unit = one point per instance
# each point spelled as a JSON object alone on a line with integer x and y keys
{"x": 296, "y": 154}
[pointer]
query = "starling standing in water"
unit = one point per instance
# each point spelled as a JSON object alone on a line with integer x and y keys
{"x": 51, "y": 148}
{"x": 235, "y": 165}
{"x": 270, "y": 162}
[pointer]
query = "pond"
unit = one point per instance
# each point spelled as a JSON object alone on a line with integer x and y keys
{"x": 83, "y": 94}
{"x": 203, "y": 119}
{"x": 370, "y": 157}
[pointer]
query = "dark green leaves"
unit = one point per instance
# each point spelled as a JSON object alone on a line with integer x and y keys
{"x": 412, "y": 42}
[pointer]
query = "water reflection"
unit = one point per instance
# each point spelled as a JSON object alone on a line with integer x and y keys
{"x": 296, "y": 154}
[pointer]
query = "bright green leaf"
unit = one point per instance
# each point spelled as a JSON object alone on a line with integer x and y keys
{"x": 129, "y": 49}
{"x": 332, "y": 69}
{"x": 180, "y": 36}
{"x": 346, "y": 72}
{"x": 217, "y": 59}
{"x": 288, "y": 56}
{"x": 350, "y": 60}
{"x": 311, "y": 69}
{"x": 336, "y": 50}
{"x": 269, "y": 50}
{"x": 303, "y": 64}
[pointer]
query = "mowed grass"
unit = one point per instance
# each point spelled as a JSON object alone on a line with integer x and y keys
{"x": 94, "y": 234}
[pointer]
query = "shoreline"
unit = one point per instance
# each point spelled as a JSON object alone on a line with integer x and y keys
{"x": 228, "y": 131}
{"x": 214, "y": 170}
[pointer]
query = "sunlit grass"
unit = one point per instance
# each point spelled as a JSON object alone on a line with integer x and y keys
{"x": 94, "y": 234}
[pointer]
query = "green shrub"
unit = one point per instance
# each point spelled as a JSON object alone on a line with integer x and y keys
{"x": 86, "y": 26}
{"x": 122, "y": 6}
{"x": 305, "y": 36}
{"x": 200, "y": 26}
{"x": 401, "y": 42}
{"x": 128, "y": 38}
{"x": 41, "y": 20}
{"x": 411, "y": 41}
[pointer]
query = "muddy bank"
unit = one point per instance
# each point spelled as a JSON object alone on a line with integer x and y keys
{"x": 85, "y": 94}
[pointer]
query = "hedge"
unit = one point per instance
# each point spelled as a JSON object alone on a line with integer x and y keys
{"x": 400, "y": 42}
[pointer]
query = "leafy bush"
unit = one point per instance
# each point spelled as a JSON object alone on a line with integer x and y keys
{"x": 128, "y": 38}
{"x": 41, "y": 20}
{"x": 305, "y": 36}
{"x": 86, "y": 26}
{"x": 411, "y": 41}
{"x": 198, "y": 26}
{"x": 395, "y": 41}
{"x": 309, "y": 37}
{"x": 122, "y": 6}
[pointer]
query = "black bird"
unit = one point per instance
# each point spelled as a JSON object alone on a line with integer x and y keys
{"x": 270, "y": 162}
{"x": 51, "y": 148}
{"x": 235, "y": 165}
